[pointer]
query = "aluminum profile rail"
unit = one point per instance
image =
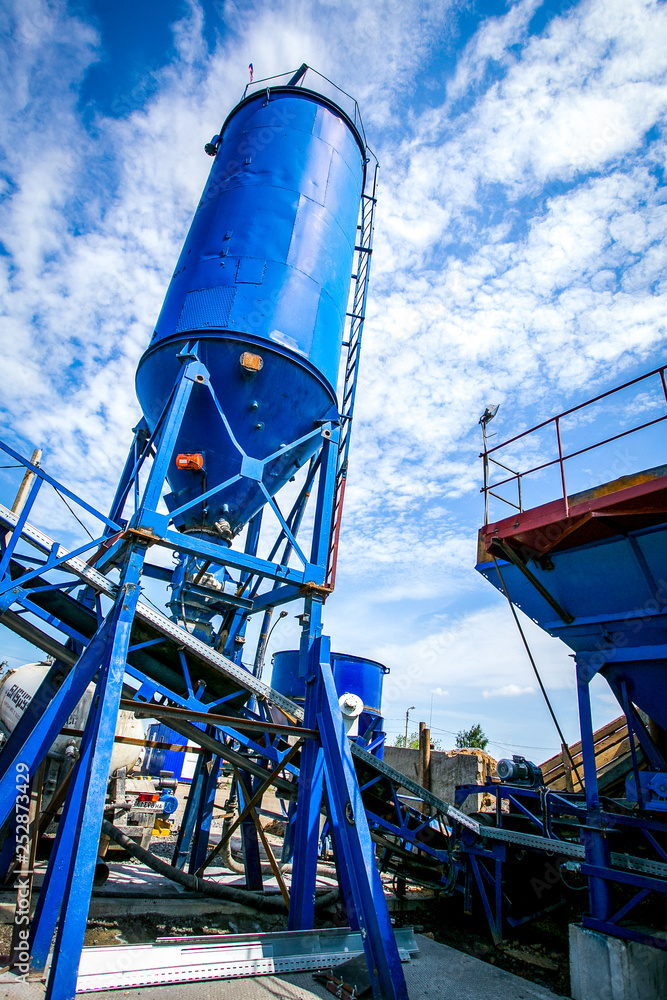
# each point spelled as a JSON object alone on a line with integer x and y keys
{"x": 569, "y": 849}
{"x": 229, "y": 956}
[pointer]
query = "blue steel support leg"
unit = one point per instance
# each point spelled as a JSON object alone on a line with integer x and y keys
{"x": 190, "y": 813}
{"x": 597, "y": 845}
{"x": 306, "y": 829}
{"x": 53, "y": 703}
{"x": 9, "y": 546}
{"x": 288, "y": 841}
{"x": 130, "y": 471}
{"x": 205, "y": 812}
{"x": 50, "y": 896}
{"x": 344, "y": 884}
{"x": 492, "y": 919}
{"x": 69, "y": 890}
{"x": 326, "y": 491}
{"x": 355, "y": 848}
{"x": 192, "y": 372}
{"x": 306, "y": 832}
{"x": 251, "y": 856}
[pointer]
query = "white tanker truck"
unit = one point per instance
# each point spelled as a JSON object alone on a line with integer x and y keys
{"x": 133, "y": 803}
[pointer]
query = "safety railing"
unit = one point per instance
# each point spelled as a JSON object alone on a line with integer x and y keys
{"x": 315, "y": 81}
{"x": 488, "y": 455}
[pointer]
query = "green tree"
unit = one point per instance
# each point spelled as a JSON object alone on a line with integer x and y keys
{"x": 471, "y": 739}
{"x": 413, "y": 742}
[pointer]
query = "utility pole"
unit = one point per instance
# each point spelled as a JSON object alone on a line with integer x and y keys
{"x": 406, "y": 724}
{"x": 26, "y": 483}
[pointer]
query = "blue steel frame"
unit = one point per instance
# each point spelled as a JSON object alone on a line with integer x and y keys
{"x": 596, "y": 820}
{"x": 326, "y": 764}
{"x": 64, "y": 900}
{"x": 598, "y": 867}
{"x": 407, "y": 826}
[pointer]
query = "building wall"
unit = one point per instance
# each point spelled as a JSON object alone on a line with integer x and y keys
{"x": 448, "y": 769}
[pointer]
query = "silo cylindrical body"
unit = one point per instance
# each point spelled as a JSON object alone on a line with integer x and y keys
{"x": 265, "y": 271}
{"x": 355, "y": 674}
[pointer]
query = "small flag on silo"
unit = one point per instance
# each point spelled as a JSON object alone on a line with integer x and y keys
{"x": 250, "y": 71}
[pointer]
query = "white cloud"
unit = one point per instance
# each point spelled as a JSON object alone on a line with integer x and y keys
{"x": 480, "y": 650}
{"x": 519, "y": 258}
{"x": 508, "y": 691}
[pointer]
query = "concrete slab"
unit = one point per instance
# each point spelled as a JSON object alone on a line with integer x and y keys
{"x": 14, "y": 988}
{"x": 608, "y": 968}
{"x": 438, "y": 973}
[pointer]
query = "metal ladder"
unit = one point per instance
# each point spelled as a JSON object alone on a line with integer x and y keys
{"x": 364, "y": 251}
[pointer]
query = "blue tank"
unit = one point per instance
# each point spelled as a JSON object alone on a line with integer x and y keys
{"x": 156, "y": 759}
{"x": 264, "y": 274}
{"x": 355, "y": 674}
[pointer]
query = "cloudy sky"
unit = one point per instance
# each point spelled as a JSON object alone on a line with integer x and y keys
{"x": 519, "y": 259}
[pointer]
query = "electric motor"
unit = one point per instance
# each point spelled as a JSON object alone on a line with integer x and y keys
{"x": 519, "y": 771}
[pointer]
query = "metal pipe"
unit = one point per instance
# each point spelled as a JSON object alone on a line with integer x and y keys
{"x": 562, "y": 467}
{"x": 226, "y": 851}
{"x": 486, "y": 477}
{"x": 258, "y": 665}
{"x": 258, "y": 901}
{"x": 575, "y": 454}
{"x": 264, "y": 636}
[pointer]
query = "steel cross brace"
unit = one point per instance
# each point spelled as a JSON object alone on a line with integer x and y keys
{"x": 146, "y": 518}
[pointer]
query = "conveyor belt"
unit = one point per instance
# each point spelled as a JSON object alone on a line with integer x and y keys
{"x": 380, "y": 783}
{"x": 226, "y": 669}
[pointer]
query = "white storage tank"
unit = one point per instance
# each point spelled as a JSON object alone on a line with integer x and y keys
{"x": 17, "y": 689}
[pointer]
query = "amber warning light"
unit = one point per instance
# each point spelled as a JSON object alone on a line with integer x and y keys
{"x": 195, "y": 463}
{"x": 251, "y": 362}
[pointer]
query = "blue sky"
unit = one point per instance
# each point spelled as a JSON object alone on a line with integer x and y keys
{"x": 519, "y": 259}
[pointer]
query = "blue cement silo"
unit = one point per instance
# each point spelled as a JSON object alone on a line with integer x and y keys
{"x": 261, "y": 287}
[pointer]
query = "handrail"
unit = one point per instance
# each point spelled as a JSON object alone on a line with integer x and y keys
{"x": 254, "y": 86}
{"x": 487, "y": 454}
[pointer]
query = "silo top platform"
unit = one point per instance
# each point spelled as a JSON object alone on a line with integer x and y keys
{"x": 615, "y": 508}
{"x": 589, "y": 566}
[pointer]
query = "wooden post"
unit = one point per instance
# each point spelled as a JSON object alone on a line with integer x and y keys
{"x": 424, "y": 756}
{"x": 567, "y": 767}
{"x": 26, "y": 483}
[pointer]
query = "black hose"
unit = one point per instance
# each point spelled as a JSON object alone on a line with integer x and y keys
{"x": 256, "y": 900}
